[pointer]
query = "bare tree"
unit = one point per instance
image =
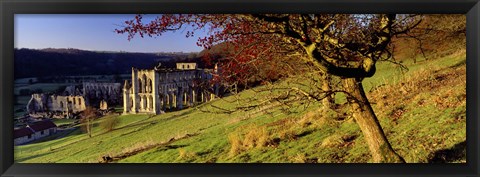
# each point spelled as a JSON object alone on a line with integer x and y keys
{"x": 87, "y": 118}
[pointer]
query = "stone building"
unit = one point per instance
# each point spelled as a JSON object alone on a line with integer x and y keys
{"x": 42, "y": 104}
{"x": 23, "y": 135}
{"x": 95, "y": 92}
{"x": 43, "y": 128}
{"x": 75, "y": 99}
{"x": 34, "y": 131}
{"x": 160, "y": 89}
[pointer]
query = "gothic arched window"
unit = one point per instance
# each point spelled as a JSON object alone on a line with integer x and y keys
{"x": 139, "y": 85}
{"x": 150, "y": 86}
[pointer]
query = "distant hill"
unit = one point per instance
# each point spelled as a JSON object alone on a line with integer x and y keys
{"x": 218, "y": 50}
{"x": 55, "y": 62}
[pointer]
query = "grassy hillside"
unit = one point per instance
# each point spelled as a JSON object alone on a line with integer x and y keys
{"x": 422, "y": 111}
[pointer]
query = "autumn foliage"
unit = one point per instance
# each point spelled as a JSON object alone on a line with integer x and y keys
{"x": 246, "y": 56}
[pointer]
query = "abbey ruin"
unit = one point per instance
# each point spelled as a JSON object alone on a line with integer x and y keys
{"x": 95, "y": 92}
{"x": 150, "y": 91}
{"x": 74, "y": 99}
{"x": 44, "y": 105}
{"x": 161, "y": 89}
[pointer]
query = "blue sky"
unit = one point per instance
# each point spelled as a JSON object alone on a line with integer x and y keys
{"x": 93, "y": 32}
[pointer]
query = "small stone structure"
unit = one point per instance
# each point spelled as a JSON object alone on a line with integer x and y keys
{"x": 103, "y": 105}
{"x": 160, "y": 89}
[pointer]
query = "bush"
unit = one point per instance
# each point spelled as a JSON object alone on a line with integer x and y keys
{"x": 109, "y": 123}
{"x": 185, "y": 155}
{"x": 248, "y": 137}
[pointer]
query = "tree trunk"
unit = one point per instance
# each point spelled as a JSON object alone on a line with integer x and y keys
{"x": 88, "y": 129}
{"x": 380, "y": 148}
{"x": 328, "y": 101}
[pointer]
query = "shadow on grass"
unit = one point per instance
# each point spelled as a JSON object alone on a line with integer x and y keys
{"x": 305, "y": 133}
{"x": 61, "y": 133}
{"x": 170, "y": 147}
{"x": 454, "y": 154}
{"x": 148, "y": 122}
{"x": 178, "y": 115}
{"x": 145, "y": 124}
{"x": 20, "y": 160}
{"x": 164, "y": 145}
{"x": 460, "y": 63}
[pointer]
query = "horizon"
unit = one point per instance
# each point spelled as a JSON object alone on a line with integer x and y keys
{"x": 95, "y": 32}
{"x": 121, "y": 51}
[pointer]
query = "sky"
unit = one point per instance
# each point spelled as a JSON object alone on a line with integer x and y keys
{"x": 94, "y": 32}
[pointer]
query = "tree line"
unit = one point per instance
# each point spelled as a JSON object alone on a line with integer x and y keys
{"x": 47, "y": 63}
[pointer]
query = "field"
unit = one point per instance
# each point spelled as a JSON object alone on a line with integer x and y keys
{"x": 422, "y": 111}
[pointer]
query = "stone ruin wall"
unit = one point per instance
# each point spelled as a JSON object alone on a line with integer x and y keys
{"x": 43, "y": 105}
{"x": 96, "y": 92}
{"x": 67, "y": 103}
{"x": 161, "y": 89}
{"x": 74, "y": 100}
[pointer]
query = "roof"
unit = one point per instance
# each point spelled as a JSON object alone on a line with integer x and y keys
{"x": 42, "y": 125}
{"x": 25, "y": 131}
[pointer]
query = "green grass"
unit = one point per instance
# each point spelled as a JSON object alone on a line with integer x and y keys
{"x": 60, "y": 122}
{"x": 389, "y": 73}
{"x": 418, "y": 132}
